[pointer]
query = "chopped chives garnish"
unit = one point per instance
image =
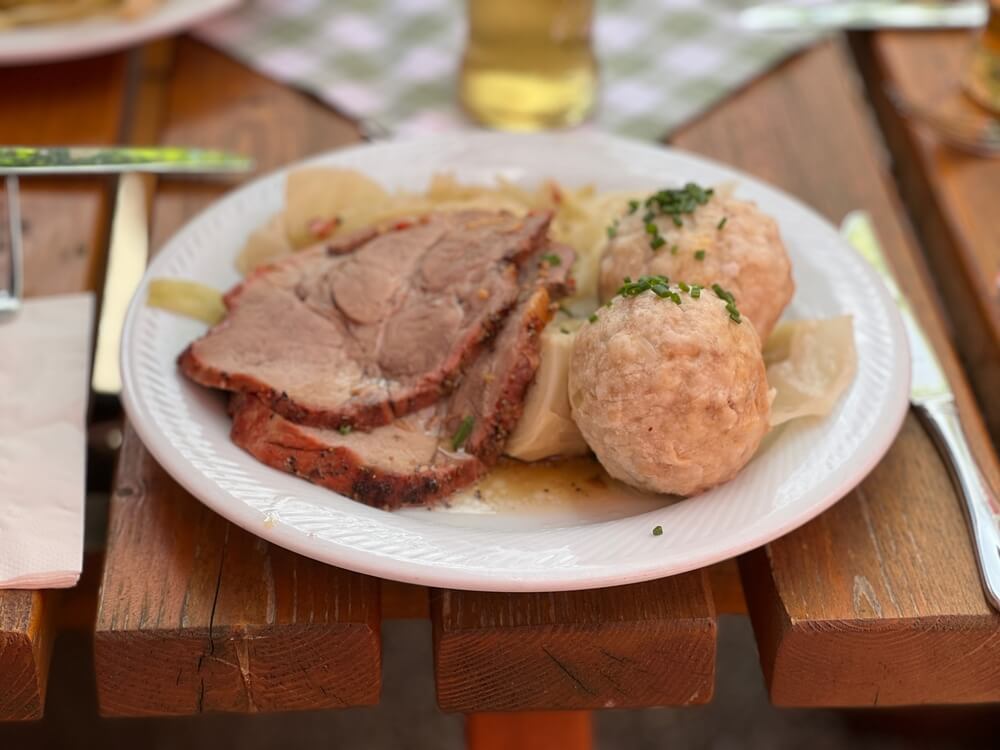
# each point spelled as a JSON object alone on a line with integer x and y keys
{"x": 593, "y": 318}
{"x": 723, "y": 294}
{"x": 656, "y": 241}
{"x": 552, "y": 259}
{"x": 657, "y": 531}
{"x": 645, "y": 283}
{"x": 658, "y": 285}
{"x": 722, "y": 222}
{"x": 612, "y": 229}
{"x": 563, "y": 329}
{"x": 633, "y": 206}
{"x": 462, "y": 433}
{"x": 674, "y": 249}
{"x": 699, "y": 255}
{"x": 676, "y": 202}
{"x": 344, "y": 429}
{"x": 730, "y": 301}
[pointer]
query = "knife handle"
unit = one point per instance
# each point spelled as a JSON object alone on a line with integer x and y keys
{"x": 945, "y": 428}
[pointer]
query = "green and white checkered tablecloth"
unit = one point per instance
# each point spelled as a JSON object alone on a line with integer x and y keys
{"x": 393, "y": 63}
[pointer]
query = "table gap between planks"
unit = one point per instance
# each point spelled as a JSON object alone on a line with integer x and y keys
{"x": 65, "y": 231}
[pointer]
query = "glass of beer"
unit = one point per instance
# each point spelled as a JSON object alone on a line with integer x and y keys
{"x": 983, "y": 78}
{"x": 528, "y": 64}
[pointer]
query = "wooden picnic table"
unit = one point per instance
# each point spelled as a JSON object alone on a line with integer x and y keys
{"x": 875, "y": 602}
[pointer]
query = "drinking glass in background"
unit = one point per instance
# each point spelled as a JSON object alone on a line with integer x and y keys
{"x": 983, "y": 79}
{"x": 529, "y": 64}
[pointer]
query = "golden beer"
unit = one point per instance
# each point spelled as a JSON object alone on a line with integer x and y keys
{"x": 983, "y": 79}
{"x": 528, "y": 64}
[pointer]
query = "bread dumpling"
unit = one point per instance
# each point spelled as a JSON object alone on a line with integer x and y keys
{"x": 670, "y": 391}
{"x": 722, "y": 240}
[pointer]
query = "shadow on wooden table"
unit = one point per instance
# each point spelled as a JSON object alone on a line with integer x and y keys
{"x": 408, "y": 717}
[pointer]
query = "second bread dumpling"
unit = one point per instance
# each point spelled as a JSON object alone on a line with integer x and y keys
{"x": 703, "y": 237}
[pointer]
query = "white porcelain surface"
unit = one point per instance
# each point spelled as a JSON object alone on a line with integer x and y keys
{"x": 803, "y": 468}
{"x": 70, "y": 39}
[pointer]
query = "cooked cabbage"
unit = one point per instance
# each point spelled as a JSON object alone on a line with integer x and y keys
{"x": 810, "y": 363}
{"x": 266, "y": 243}
{"x": 546, "y": 427}
{"x": 187, "y": 298}
{"x": 320, "y": 200}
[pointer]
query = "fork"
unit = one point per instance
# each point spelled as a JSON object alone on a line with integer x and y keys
{"x": 973, "y": 134}
{"x": 11, "y": 293}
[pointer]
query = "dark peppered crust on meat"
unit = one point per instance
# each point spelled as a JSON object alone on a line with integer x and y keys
{"x": 304, "y": 452}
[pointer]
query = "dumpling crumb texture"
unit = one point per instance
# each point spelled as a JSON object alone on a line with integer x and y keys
{"x": 672, "y": 398}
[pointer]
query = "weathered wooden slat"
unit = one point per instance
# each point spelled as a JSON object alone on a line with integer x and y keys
{"x": 195, "y": 614}
{"x": 952, "y": 196}
{"x": 26, "y": 635}
{"x": 647, "y": 644}
{"x": 878, "y": 600}
{"x": 65, "y": 225}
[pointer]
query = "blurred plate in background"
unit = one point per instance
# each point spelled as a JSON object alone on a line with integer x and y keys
{"x": 62, "y": 40}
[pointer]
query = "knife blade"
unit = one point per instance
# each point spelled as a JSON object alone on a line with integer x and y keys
{"x": 933, "y": 400}
{"x": 864, "y": 14}
{"x": 49, "y": 160}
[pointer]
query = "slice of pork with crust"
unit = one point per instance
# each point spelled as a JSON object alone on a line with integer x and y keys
{"x": 413, "y": 460}
{"x": 399, "y": 464}
{"x": 360, "y": 333}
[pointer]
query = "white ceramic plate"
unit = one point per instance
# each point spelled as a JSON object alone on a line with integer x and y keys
{"x": 91, "y": 36}
{"x": 803, "y": 469}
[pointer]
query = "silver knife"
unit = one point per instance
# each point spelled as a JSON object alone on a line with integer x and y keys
{"x": 864, "y": 14}
{"x": 932, "y": 398}
{"x": 39, "y": 160}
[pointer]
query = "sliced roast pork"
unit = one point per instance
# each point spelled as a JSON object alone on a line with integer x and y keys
{"x": 361, "y": 332}
{"x": 433, "y": 452}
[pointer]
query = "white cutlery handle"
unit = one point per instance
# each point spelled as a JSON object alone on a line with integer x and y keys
{"x": 941, "y": 418}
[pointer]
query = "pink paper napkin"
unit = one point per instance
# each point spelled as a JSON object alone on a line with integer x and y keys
{"x": 44, "y": 387}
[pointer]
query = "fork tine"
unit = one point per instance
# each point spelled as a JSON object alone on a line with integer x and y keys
{"x": 16, "y": 250}
{"x": 11, "y": 292}
{"x": 980, "y": 136}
